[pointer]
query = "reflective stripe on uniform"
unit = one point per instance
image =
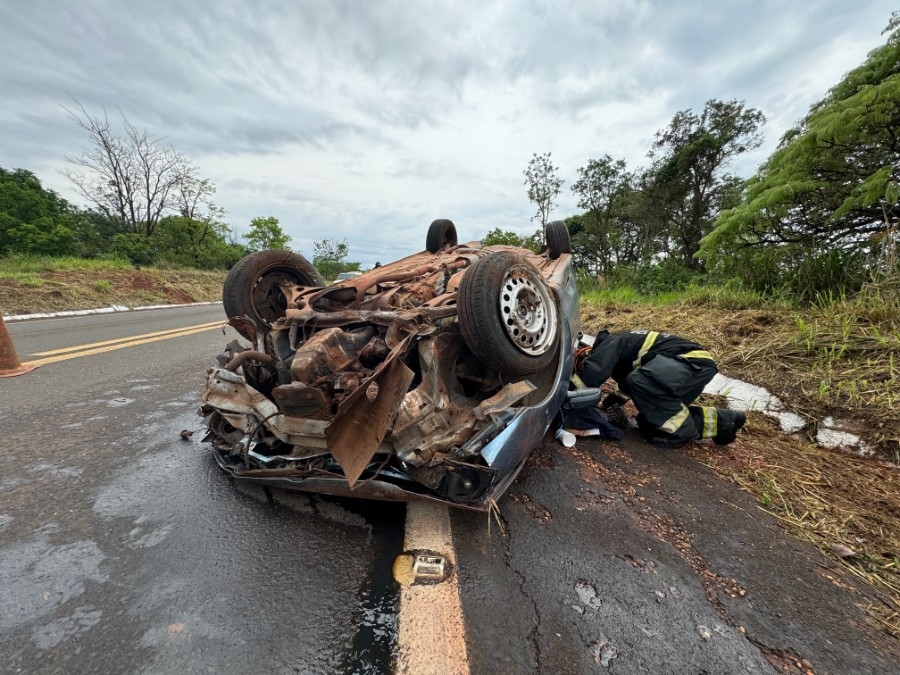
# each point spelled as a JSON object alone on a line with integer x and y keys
{"x": 648, "y": 342}
{"x": 697, "y": 354}
{"x": 577, "y": 381}
{"x": 673, "y": 424}
{"x": 710, "y": 422}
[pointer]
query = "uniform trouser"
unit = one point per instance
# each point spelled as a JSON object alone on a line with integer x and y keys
{"x": 662, "y": 391}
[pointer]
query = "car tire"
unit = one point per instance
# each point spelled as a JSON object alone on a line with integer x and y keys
{"x": 441, "y": 233}
{"x": 251, "y": 287}
{"x": 507, "y": 314}
{"x": 558, "y": 240}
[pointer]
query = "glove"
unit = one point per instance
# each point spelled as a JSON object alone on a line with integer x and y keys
{"x": 618, "y": 417}
{"x": 581, "y": 355}
{"x": 615, "y": 413}
{"x": 614, "y": 399}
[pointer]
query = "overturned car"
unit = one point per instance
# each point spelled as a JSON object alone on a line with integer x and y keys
{"x": 432, "y": 377}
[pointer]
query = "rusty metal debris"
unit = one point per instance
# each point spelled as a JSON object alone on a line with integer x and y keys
{"x": 370, "y": 386}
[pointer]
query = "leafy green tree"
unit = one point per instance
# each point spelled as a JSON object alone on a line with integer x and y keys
{"x": 644, "y": 223}
{"x": 136, "y": 247}
{"x": 601, "y": 188}
{"x": 330, "y": 258}
{"x": 688, "y": 177}
{"x": 543, "y": 185}
{"x": 584, "y": 251}
{"x": 497, "y": 237}
{"x": 204, "y": 243}
{"x": 834, "y": 181}
{"x": 34, "y": 220}
{"x": 266, "y": 233}
{"x": 95, "y": 234}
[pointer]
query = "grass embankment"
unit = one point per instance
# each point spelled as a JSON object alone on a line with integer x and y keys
{"x": 29, "y": 285}
{"x": 839, "y": 359}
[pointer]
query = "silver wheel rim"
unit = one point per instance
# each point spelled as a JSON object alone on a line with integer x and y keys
{"x": 527, "y": 310}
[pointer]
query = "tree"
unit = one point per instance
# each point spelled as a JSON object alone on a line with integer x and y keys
{"x": 204, "y": 243}
{"x": 645, "y": 208}
{"x": 601, "y": 188}
{"x": 497, "y": 236}
{"x": 199, "y": 223}
{"x": 329, "y": 257}
{"x": 690, "y": 156}
{"x": 543, "y": 185}
{"x": 193, "y": 195}
{"x": 266, "y": 233}
{"x": 833, "y": 184}
{"x": 34, "y": 220}
{"x": 132, "y": 178}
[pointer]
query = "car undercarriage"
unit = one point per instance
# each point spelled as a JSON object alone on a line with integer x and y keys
{"x": 432, "y": 377}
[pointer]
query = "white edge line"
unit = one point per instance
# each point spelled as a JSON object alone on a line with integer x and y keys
{"x": 101, "y": 310}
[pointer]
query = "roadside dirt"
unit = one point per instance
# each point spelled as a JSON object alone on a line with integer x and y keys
{"x": 88, "y": 289}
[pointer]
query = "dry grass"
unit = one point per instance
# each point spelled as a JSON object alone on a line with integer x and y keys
{"x": 847, "y": 506}
{"x": 823, "y": 362}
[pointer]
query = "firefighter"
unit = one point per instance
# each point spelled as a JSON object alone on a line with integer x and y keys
{"x": 663, "y": 374}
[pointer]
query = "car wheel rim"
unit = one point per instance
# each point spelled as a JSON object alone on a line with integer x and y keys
{"x": 528, "y": 311}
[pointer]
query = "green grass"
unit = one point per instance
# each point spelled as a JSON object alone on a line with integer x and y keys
{"x": 874, "y": 304}
{"x": 701, "y": 296}
{"x": 20, "y": 267}
{"x": 102, "y": 286}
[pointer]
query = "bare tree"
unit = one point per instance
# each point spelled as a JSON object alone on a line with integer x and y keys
{"x": 191, "y": 194}
{"x": 132, "y": 178}
{"x": 199, "y": 216}
{"x": 544, "y": 184}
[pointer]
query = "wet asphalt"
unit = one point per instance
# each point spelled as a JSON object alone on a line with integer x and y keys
{"x": 623, "y": 558}
{"x": 123, "y": 548}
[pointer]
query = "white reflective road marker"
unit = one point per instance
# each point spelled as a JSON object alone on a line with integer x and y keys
{"x": 431, "y": 636}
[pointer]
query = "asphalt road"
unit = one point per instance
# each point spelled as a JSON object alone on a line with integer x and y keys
{"x": 124, "y": 549}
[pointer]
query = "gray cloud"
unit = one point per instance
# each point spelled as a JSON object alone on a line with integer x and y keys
{"x": 365, "y": 121}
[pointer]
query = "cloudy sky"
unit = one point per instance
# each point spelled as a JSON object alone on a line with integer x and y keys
{"x": 365, "y": 121}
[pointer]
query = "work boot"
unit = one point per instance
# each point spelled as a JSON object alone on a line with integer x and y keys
{"x": 730, "y": 422}
{"x": 660, "y": 438}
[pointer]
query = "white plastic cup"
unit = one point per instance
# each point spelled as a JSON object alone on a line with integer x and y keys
{"x": 564, "y": 437}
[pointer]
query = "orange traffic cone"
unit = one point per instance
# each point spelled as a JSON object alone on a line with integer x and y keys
{"x": 9, "y": 362}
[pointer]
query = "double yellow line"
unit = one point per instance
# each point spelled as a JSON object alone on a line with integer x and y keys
{"x": 119, "y": 343}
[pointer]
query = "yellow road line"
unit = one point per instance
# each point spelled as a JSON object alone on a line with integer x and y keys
{"x": 431, "y": 633}
{"x": 130, "y": 338}
{"x": 172, "y": 331}
{"x": 109, "y": 348}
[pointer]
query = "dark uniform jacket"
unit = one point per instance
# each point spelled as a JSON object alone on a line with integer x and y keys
{"x": 616, "y": 355}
